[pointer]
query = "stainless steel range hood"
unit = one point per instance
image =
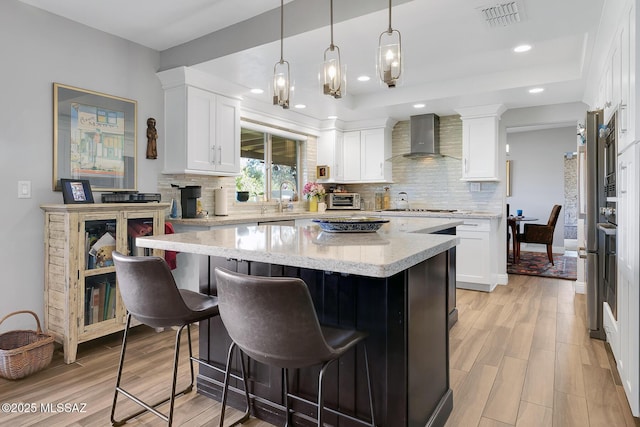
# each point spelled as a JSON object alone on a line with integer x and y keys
{"x": 425, "y": 136}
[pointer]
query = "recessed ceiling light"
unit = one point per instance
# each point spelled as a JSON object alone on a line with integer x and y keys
{"x": 300, "y": 106}
{"x": 522, "y": 48}
{"x": 536, "y": 90}
{"x": 418, "y": 105}
{"x": 364, "y": 78}
{"x": 332, "y": 117}
{"x": 257, "y": 91}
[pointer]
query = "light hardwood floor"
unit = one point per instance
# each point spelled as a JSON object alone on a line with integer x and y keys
{"x": 520, "y": 356}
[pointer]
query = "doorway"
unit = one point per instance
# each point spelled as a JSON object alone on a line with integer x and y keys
{"x": 570, "y": 201}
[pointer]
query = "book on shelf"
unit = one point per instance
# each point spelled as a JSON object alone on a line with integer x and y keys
{"x": 101, "y": 251}
{"x": 95, "y": 304}
{"x": 99, "y": 234}
{"x": 88, "y": 292}
{"x": 99, "y": 301}
{"x": 110, "y": 301}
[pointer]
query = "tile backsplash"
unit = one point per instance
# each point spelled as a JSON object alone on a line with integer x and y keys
{"x": 431, "y": 183}
{"x": 434, "y": 182}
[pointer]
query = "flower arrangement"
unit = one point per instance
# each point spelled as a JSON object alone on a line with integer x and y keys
{"x": 313, "y": 190}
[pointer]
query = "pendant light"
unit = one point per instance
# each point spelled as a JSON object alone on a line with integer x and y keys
{"x": 281, "y": 72}
{"x": 390, "y": 55}
{"x": 332, "y": 70}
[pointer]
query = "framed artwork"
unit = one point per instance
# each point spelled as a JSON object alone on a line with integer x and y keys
{"x": 94, "y": 139}
{"x": 322, "y": 172}
{"x": 76, "y": 191}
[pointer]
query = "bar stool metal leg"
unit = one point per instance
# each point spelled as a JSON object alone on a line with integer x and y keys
{"x": 151, "y": 407}
{"x": 225, "y": 388}
{"x": 286, "y": 397}
{"x": 369, "y": 385}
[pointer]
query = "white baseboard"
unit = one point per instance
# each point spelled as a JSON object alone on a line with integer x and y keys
{"x": 580, "y": 287}
{"x": 484, "y": 287}
{"x": 535, "y": 247}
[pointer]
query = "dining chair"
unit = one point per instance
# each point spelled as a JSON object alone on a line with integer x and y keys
{"x": 151, "y": 296}
{"x": 273, "y": 321}
{"x": 540, "y": 233}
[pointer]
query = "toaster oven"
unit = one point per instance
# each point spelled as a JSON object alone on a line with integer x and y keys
{"x": 343, "y": 201}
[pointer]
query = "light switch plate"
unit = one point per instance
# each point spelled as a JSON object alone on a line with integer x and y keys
{"x": 24, "y": 189}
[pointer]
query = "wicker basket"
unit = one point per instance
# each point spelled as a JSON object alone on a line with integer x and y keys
{"x": 23, "y": 353}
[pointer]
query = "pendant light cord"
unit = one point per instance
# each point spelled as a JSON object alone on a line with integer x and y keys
{"x": 390, "y": 30}
{"x": 331, "y": 14}
{"x": 282, "y": 31}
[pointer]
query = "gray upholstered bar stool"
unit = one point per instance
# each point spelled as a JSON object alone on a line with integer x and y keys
{"x": 273, "y": 321}
{"x": 151, "y": 296}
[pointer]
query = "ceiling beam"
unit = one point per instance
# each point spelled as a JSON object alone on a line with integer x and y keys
{"x": 300, "y": 16}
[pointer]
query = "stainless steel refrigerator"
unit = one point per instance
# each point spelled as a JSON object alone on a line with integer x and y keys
{"x": 595, "y": 197}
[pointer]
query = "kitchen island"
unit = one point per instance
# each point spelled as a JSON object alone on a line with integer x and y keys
{"x": 392, "y": 283}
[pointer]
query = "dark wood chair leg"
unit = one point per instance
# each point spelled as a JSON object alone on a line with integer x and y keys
{"x": 550, "y": 254}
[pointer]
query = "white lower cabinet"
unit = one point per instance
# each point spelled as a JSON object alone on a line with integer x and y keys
{"x": 625, "y": 343}
{"x": 476, "y": 266}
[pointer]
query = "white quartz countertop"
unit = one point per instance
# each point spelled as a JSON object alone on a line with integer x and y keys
{"x": 245, "y": 218}
{"x": 398, "y": 245}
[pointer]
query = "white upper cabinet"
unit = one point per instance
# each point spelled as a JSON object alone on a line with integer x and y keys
{"x": 366, "y": 155}
{"x": 330, "y": 143}
{"x": 351, "y": 156}
{"x": 202, "y": 128}
{"x": 480, "y": 142}
{"x": 616, "y": 83}
{"x": 626, "y": 122}
{"x": 375, "y": 153}
{"x": 360, "y": 155}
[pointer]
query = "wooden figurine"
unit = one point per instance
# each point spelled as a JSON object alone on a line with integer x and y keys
{"x": 152, "y": 137}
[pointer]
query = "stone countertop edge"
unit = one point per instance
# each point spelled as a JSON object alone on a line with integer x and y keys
{"x": 401, "y": 252}
{"x": 213, "y": 221}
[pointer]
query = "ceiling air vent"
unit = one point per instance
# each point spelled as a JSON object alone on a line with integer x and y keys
{"x": 502, "y": 14}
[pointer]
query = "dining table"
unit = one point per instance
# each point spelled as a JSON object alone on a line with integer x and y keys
{"x": 514, "y": 225}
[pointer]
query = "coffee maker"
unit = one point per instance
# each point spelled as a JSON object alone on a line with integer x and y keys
{"x": 189, "y": 200}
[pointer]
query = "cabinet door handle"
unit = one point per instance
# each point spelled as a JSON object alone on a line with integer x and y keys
{"x": 623, "y": 118}
{"x": 213, "y": 155}
{"x": 219, "y": 154}
{"x": 582, "y": 253}
{"x": 466, "y": 169}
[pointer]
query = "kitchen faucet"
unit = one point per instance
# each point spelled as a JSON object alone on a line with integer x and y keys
{"x": 290, "y": 205}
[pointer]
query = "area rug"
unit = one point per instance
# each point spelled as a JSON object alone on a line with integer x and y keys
{"x": 537, "y": 264}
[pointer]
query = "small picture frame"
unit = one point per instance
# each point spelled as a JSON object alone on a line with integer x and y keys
{"x": 76, "y": 191}
{"x": 322, "y": 172}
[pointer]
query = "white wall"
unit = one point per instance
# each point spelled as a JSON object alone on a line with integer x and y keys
{"x": 537, "y": 174}
{"x": 37, "y": 49}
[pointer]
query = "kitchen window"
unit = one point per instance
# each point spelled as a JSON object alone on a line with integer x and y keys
{"x": 269, "y": 158}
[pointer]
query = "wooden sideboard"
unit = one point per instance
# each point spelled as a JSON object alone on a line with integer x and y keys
{"x": 81, "y": 297}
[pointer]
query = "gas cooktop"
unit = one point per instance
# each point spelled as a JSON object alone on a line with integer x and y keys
{"x": 423, "y": 210}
